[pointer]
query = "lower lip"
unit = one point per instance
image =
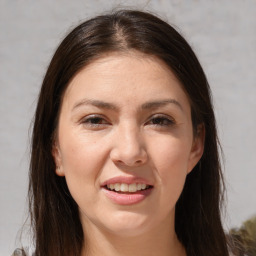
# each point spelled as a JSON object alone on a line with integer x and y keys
{"x": 129, "y": 198}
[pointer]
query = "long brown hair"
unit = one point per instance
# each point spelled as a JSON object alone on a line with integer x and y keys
{"x": 54, "y": 213}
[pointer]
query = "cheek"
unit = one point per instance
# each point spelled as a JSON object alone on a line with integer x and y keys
{"x": 82, "y": 160}
{"x": 79, "y": 151}
{"x": 171, "y": 159}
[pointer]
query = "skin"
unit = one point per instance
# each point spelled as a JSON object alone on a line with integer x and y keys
{"x": 155, "y": 142}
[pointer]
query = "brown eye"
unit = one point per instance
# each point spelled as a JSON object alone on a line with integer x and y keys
{"x": 160, "y": 120}
{"x": 94, "y": 121}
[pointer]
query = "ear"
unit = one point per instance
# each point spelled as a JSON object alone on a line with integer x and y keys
{"x": 57, "y": 159}
{"x": 197, "y": 148}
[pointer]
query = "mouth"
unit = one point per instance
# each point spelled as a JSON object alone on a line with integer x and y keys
{"x": 124, "y": 188}
{"x": 127, "y": 190}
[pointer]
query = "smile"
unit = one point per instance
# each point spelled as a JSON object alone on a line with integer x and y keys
{"x": 123, "y": 187}
{"x": 127, "y": 190}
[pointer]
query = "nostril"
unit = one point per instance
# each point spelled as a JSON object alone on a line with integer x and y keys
{"x": 138, "y": 162}
{"x": 128, "y": 156}
{"x": 128, "y": 163}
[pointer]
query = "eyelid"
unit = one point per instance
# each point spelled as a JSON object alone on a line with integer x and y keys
{"x": 86, "y": 120}
{"x": 170, "y": 119}
{"x": 98, "y": 120}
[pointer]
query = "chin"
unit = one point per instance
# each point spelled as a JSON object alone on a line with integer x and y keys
{"x": 128, "y": 224}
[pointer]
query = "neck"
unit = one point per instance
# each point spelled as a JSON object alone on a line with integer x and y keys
{"x": 159, "y": 241}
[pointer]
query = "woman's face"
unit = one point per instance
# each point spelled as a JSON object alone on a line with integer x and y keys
{"x": 125, "y": 143}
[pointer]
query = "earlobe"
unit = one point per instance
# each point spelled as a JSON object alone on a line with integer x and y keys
{"x": 59, "y": 171}
{"x": 57, "y": 159}
{"x": 197, "y": 149}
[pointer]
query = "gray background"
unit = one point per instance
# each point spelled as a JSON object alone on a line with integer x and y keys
{"x": 223, "y": 34}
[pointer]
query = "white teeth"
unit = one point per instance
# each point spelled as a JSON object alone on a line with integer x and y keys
{"x": 132, "y": 187}
{"x": 123, "y": 187}
{"x": 117, "y": 187}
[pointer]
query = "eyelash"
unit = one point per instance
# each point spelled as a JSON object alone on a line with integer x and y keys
{"x": 95, "y": 121}
{"x": 161, "y": 120}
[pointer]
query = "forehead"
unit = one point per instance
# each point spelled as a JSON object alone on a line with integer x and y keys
{"x": 127, "y": 77}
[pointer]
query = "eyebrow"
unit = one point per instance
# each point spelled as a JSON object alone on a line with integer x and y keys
{"x": 106, "y": 105}
{"x": 96, "y": 103}
{"x": 160, "y": 103}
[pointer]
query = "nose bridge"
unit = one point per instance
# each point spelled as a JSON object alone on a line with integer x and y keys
{"x": 129, "y": 145}
{"x": 131, "y": 137}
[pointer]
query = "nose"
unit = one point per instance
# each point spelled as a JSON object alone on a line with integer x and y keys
{"x": 128, "y": 147}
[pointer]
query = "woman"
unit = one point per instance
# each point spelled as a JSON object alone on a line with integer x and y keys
{"x": 125, "y": 151}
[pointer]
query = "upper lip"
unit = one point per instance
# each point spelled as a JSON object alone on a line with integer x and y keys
{"x": 126, "y": 180}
